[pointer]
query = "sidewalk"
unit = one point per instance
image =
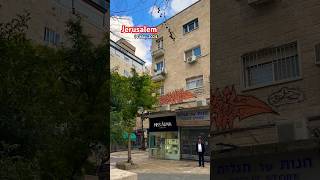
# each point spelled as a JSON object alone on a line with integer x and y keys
{"x": 156, "y": 166}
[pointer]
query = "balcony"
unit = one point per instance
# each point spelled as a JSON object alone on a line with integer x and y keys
{"x": 159, "y": 75}
{"x": 158, "y": 52}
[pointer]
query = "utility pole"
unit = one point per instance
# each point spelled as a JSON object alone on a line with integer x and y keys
{"x": 142, "y": 114}
{"x": 143, "y": 141}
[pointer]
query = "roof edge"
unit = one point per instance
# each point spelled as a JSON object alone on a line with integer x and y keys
{"x": 179, "y": 12}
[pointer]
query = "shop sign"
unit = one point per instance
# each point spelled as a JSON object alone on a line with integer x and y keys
{"x": 284, "y": 166}
{"x": 163, "y": 124}
{"x": 193, "y": 115}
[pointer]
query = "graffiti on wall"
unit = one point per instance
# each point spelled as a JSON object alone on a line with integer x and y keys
{"x": 227, "y": 106}
{"x": 285, "y": 96}
{"x": 176, "y": 96}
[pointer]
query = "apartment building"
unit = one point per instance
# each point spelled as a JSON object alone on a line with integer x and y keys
{"x": 265, "y": 100}
{"x": 123, "y": 58}
{"x": 48, "y": 18}
{"x": 181, "y": 61}
{"x": 122, "y": 61}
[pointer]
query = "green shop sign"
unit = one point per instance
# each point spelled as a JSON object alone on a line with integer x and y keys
{"x": 133, "y": 136}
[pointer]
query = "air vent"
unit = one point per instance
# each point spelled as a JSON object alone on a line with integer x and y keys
{"x": 317, "y": 51}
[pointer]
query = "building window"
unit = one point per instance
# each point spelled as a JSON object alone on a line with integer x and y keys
{"x": 161, "y": 90}
{"x": 159, "y": 67}
{"x": 195, "y": 52}
{"x": 160, "y": 43}
{"x": 51, "y": 36}
{"x": 194, "y": 83}
{"x": 190, "y": 26}
{"x": 271, "y": 65}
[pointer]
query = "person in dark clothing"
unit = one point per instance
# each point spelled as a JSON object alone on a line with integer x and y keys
{"x": 200, "y": 149}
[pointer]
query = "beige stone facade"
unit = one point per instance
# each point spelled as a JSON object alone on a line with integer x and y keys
{"x": 177, "y": 70}
{"x": 181, "y": 65}
{"x": 268, "y": 52}
{"x": 51, "y": 16}
{"x": 123, "y": 59}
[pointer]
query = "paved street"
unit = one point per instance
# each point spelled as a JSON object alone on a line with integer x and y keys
{"x": 149, "y": 169}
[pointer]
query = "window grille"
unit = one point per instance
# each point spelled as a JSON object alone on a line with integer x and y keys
{"x": 194, "y": 83}
{"x": 271, "y": 65}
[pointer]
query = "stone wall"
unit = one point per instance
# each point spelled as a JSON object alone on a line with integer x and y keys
{"x": 178, "y": 70}
{"x": 238, "y": 28}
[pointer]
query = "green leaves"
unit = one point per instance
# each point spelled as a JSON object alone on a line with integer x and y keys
{"x": 128, "y": 94}
{"x": 53, "y": 103}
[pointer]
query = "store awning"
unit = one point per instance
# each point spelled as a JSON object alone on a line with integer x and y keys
{"x": 133, "y": 136}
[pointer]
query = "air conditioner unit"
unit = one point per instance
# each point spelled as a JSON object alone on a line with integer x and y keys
{"x": 292, "y": 130}
{"x": 317, "y": 52}
{"x": 258, "y": 2}
{"x": 202, "y": 102}
{"x": 285, "y": 131}
{"x": 191, "y": 59}
{"x": 165, "y": 108}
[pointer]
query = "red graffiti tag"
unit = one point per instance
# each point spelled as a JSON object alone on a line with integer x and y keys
{"x": 176, "y": 96}
{"x": 228, "y": 106}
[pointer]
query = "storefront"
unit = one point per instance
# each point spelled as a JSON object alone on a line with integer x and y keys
{"x": 193, "y": 123}
{"x": 138, "y": 142}
{"x": 164, "y": 138}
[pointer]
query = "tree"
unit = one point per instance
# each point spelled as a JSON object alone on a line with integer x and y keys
{"x": 129, "y": 94}
{"x": 53, "y": 104}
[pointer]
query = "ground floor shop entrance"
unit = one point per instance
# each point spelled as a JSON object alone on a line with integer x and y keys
{"x": 164, "y": 145}
{"x": 164, "y": 138}
{"x": 188, "y": 140}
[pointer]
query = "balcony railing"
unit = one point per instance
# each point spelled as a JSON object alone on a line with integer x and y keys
{"x": 159, "y": 75}
{"x": 158, "y": 52}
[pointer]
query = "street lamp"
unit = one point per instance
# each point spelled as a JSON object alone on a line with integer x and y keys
{"x": 143, "y": 115}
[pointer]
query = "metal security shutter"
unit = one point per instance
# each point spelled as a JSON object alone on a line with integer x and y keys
{"x": 189, "y": 138}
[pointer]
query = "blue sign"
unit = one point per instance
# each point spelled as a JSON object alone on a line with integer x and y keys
{"x": 193, "y": 115}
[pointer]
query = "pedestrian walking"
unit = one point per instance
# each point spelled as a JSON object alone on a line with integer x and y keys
{"x": 200, "y": 150}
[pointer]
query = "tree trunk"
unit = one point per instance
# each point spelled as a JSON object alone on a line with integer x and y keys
{"x": 129, "y": 148}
